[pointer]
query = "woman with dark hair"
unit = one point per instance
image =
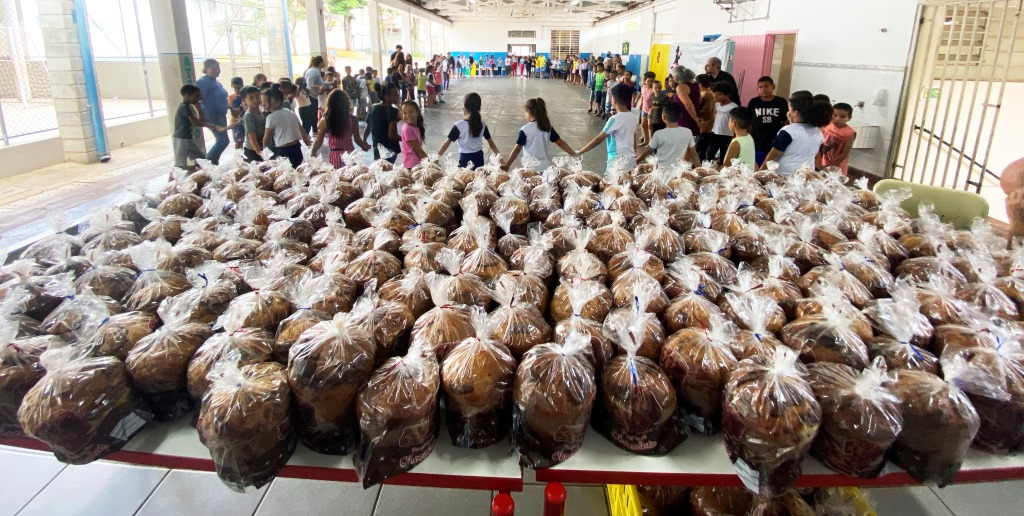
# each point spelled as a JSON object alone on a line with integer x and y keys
{"x": 339, "y": 127}
{"x": 688, "y": 96}
{"x": 798, "y": 143}
{"x": 470, "y": 133}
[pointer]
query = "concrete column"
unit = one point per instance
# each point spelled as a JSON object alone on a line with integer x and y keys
{"x": 67, "y": 80}
{"x": 373, "y": 13}
{"x": 277, "y": 32}
{"x": 174, "y": 51}
{"x": 406, "y": 24}
{"x": 317, "y": 32}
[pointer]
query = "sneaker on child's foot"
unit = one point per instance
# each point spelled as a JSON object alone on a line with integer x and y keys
{"x": 591, "y": 110}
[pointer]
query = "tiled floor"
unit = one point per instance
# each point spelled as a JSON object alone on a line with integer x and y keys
{"x": 35, "y": 483}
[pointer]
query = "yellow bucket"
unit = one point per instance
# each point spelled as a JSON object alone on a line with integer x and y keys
{"x": 623, "y": 500}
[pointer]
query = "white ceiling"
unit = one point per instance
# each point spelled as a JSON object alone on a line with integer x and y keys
{"x": 527, "y": 10}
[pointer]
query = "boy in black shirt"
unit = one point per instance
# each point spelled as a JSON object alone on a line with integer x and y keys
{"x": 769, "y": 117}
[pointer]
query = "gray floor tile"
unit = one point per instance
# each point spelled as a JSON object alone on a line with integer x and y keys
{"x": 199, "y": 493}
{"x": 290, "y": 496}
{"x": 402, "y": 500}
{"x": 100, "y": 488}
{"x": 22, "y": 476}
{"x": 579, "y": 500}
{"x": 907, "y": 501}
{"x": 983, "y": 499}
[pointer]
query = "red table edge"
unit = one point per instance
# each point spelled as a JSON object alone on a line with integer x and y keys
{"x": 411, "y": 478}
{"x": 894, "y": 479}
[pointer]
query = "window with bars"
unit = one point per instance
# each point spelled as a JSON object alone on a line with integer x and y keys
{"x": 522, "y": 34}
{"x": 565, "y": 42}
{"x": 962, "y": 40}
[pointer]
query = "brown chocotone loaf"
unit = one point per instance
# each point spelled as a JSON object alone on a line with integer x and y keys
{"x": 19, "y": 371}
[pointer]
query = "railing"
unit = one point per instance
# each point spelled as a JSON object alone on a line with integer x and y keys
{"x": 963, "y": 156}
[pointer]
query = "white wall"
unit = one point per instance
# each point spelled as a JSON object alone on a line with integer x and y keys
{"x": 493, "y": 37}
{"x": 842, "y": 50}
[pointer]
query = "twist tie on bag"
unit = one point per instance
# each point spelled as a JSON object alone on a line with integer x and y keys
{"x": 104, "y": 321}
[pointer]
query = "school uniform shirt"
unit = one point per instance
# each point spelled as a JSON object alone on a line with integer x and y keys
{"x": 253, "y": 122}
{"x": 769, "y": 117}
{"x": 468, "y": 144}
{"x": 799, "y": 143}
{"x": 671, "y": 144}
{"x": 537, "y": 143}
{"x": 835, "y": 140}
{"x": 721, "y": 127}
{"x": 286, "y": 126}
{"x": 620, "y": 129}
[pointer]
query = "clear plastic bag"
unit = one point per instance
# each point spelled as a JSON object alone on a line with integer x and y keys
{"x": 410, "y": 290}
{"x": 517, "y": 324}
{"x": 327, "y": 366}
{"x": 984, "y": 293}
{"x": 692, "y": 307}
{"x": 634, "y": 257}
{"x": 118, "y": 334}
{"x": 610, "y": 239}
{"x": 625, "y": 288}
{"x": 861, "y": 417}
{"x": 536, "y": 257}
{"x": 553, "y": 396}
{"x": 662, "y": 241}
{"x": 769, "y": 419}
{"x": 699, "y": 362}
{"x": 446, "y": 325}
{"x": 580, "y": 264}
{"x": 152, "y": 284}
{"x": 245, "y": 421}
{"x": 638, "y": 407}
{"x": 252, "y": 345}
{"x": 303, "y": 296}
{"x": 161, "y": 227}
{"x": 939, "y": 424}
{"x": 749, "y": 285}
{"x": 158, "y": 363}
{"x": 938, "y": 302}
{"x": 836, "y": 277}
{"x": 465, "y": 288}
{"x": 212, "y": 290}
{"x": 398, "y": 418}
{"x": 483, "y": 261}
{"x": 20, "y": 369}
{"x": 84, "y": 407}
{"x": 261, "y": 308}
{"x": 828, "y": 336}
{"x": 753, "y": 312}
{"x": 387, "y": 322}
{"x": 25, "y": 275}
{"x": 375, "y": 263}
{"x": 107, "y": 231}
{"x": 50, "y": 249}
{"x": 720, "y": 501}
{"x": 234, "y": 247}
{"x": 77, "y": 312}
{"x": 650, "y": 334}
{"x": 477, "y": 377}
{"x": 905, "y": 335}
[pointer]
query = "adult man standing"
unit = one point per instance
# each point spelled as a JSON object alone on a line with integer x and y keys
{"x": 214, "y": 102}
{"x": 770, "y": 115}
{"x": 714, "y": 68}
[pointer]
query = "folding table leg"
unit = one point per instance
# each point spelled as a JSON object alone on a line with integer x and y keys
{"x": 554, "y": 499}
{"x": 503, "y": 505}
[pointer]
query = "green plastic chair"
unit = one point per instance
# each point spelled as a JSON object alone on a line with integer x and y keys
{"x": 955, "y": 207}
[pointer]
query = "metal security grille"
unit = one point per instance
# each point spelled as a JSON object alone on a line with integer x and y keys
{"x": 26, "y": 101}
{"x": 967, "y": 56}
{"x": 565, "y": 42}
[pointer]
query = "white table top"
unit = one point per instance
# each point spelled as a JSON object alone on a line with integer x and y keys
{"x": 703, "y": 461}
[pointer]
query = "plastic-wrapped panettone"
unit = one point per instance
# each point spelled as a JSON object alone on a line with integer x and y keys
{"x": 253, "y": 345}
{"x": 828, "y": 336}
{"x": 49, "y": 249}
{"x": 152, "y": 285}
{"x": 327, "y": 366}
{"x": 720, "y": 501}
{"x": 20, "y": 369}
{"x": 553, "y": 395}
{"x": 789, "y": 503}
{"x": 836, "y": 277}
{"x": 636, "y": 258}
{"x": 691, "y": 308}
{"x": 625, "y": 287}
{"x": 444, "y": 326}
{"x": 939, "y": 424}
{"x": 77, "y": 312}
{"x": 464, "y": 288}
{"x": 753, "y": 313}
{"x": 410, "y": 290}
{"x": 596, "y": 306}
{"x": 516, "y": 324}
{"x": 581, "y": 264}
{"x": 537, "y": 255}
{"x": 211, "y": 293}
{"x": 611, "y": 239}
{"x": 904, "y": 335}
{"x": 936, "y": 297}
{"x": 158, "y": 363}
{"x": 662, "y": 241}
{"x": 985, "y": 293}
{"x": 650, "y": 332}
{"x": 245, "y": 421}
{"x": 581, "y": 295}
{"x": 699, "y": 362}
{"x": 769, "y": 419}
{"x": 387, "y": 322}
{"x": 483, "y": 261}
{"x": 261, "y": 308}
{"x": 83, "y": 408}
{"x": 477, "y": 377}
{"x": 119, "y": 334}
{"x": 638, "y": 408}
{"x": 861, "y": 417}
{"x": 398, "y": 418}
{"x": 303, "y": 296}
{"x": 107, "y": 231}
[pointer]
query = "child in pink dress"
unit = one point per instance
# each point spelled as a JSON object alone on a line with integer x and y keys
{"x": 412, "y": 135}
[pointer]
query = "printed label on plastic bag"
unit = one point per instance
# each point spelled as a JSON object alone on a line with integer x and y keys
{"x": 127, "y": 427}
{"x": 748, "y": 475}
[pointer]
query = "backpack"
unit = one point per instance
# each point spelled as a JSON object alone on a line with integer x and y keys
{"x": 351, "y": 87}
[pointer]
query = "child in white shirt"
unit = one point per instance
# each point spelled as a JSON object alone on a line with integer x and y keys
{"x": 798, "y": 143}
{"x": 721, "y": 134}
{"x": 673, "y": 142}
{"x": 619, "y": 132}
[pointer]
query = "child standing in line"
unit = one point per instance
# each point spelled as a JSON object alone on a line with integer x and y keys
{"x": 236, "y": 105}
{"x": 409, "y": 78}
{"x": 187, "y": 117}
{"x": 432, "y": 91}
{"x": 705, "y": 115}
{"x": 839, "y": 139}
{"x": 673, "y": 142}
{"x": 645, "y": 100}
{"x": 470, "y": 133}
{"x": 597, "y": 90}
{"x": 742, "y": 147}
{"x": 283, "y": 129}
{"x": 537, "y": 136}
{"x": 412, "y": 134}
{"x": 421, "y": 89}
{"x": 619, "y": 132}
{"x": 339, "y": 128}
{"x": 798, "y": 143}
{"x": 657, "y": 105}
{"x": 254, "y": 123}
{"x": 610, "y": 82}
{"x": 438, "y": 86}
{"x": 722, "y": 135}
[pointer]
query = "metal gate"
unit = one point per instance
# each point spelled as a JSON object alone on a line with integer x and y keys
{"x": 233, "y": 31}
{"x": 963, "y": 61}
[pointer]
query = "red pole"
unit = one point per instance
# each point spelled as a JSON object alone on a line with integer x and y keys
{"x": 503, "y": 505}
{"x": 554, "y": 499}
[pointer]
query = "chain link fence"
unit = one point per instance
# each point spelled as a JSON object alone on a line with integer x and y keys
{"x": 125, "y": 57}
{"x": 234, "y": 32}
{"x": 26, "y": 102}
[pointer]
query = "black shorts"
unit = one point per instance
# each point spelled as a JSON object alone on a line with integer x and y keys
{"x": 476, "y": 158}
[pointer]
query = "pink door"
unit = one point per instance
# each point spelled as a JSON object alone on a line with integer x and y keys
{"x": 751, "y": 60}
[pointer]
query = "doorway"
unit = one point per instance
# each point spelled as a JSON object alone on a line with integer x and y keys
{"x": 522, "y": 50}
{"x": 783, "y": 51}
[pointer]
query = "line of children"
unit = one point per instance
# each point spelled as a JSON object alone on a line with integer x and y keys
{"x": 470, "y": 133}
